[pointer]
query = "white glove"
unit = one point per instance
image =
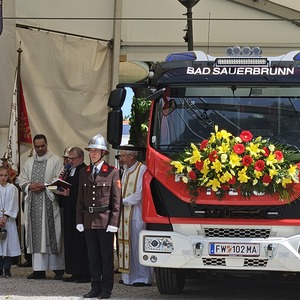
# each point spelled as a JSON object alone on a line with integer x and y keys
{"x": 111, "y": 228}
{"x": 80, "y": 227}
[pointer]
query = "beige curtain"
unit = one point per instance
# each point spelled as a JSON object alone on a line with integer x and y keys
{"x": 66, "y": 87}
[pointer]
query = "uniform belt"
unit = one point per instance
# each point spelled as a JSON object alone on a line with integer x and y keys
{"x": 93, "y": 209}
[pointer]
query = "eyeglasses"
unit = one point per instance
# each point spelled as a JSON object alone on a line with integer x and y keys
{"x": 72, "y": 158}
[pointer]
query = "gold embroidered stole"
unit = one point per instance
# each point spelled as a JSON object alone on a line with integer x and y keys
{"x": 128, "y": 188}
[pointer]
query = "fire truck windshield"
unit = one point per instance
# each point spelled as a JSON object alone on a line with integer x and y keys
{"x": 189, "y": 114}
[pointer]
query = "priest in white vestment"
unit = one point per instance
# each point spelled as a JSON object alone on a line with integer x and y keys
{"x": 133, "y": 273}
{"x": 42, "y": 212}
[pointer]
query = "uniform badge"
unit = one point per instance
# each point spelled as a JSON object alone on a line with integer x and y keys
{"x": 119, "y": 183}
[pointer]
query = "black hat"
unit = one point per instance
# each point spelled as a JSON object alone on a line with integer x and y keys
{"x": 118, "y": 155}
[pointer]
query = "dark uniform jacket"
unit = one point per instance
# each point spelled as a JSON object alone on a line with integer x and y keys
{"x": 99, "y": 199}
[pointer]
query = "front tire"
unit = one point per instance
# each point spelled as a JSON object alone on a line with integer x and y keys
{"x": 170, "y": 281}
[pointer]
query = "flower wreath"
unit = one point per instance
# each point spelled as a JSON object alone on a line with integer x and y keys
{"x": 225, "y": 162}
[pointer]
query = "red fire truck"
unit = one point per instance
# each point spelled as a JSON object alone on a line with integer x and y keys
{"x": 192, "y": 93}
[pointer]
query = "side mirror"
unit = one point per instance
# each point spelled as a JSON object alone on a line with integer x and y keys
{"x": 115, "y": 127}
{"x": 116, "y": 98}
{"x": 115, "y": 116}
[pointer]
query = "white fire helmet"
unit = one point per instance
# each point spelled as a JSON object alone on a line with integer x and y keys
{"x": 98, "y": 142}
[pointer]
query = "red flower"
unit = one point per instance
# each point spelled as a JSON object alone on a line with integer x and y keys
{"x": 213, "y": 156}
{"x": 239, "y": 148}
{"x": 259, "y": 165}
{"x": 279, "y": 155}
{"x": 246, "y": 136}
{"x": 192, "y": 175}
{"x": 199, "y": 165}
{"x": 232, "y": 180}
{"x": 88, "y": 169}
{"x": 247, "y": 160}
{"x": 203, "y": 144}
{"x": 267, "y": 179}
{"x": 267, "y": 151}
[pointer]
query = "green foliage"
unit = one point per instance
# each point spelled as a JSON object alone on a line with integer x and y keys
{"x": 138, "y": 121}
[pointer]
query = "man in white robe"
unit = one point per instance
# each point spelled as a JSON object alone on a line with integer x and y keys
{"x": 133, "y": 273}
{"x": 42, "y": 212}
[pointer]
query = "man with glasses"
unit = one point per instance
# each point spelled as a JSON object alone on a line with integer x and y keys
{"x": 76, "y": 258}
{"x": 42, "y": 211}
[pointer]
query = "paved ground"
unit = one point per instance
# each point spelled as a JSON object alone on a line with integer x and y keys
{"x": 19, "y": 287}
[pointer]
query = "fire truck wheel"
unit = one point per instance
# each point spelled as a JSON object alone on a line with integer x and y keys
{"x": 169, "y": 281}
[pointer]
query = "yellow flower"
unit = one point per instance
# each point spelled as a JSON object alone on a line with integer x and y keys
{"x": 235, "y": 160}
{"x": 271, "y": 160}
{"x": 253, "y": 149}
{"x": 196, "y": 156}
{"x": 224, "y": 148}
{"x": 286, "y": 181}
{"x": 178, "y": 165}
{"x": 223, "y": 134}
{"x": 242, "y": 176}
{"x": 214, "y": 183}
{"x": 273, "y": 172}
{"x": 225, "y": 177}
{"x": 217, "y": 166}
{"x": 292, "y": 170}
{"x": 205, "y": 168}
{"x": 257, "y": 174}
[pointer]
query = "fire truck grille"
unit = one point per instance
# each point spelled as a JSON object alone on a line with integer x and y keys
{"x": 237, "y": 212}
{"x": 237, "y": 232}
{"x": 208, "y": 261}
{"x": 221, "y": 262}
{"x": 250, "y": 262}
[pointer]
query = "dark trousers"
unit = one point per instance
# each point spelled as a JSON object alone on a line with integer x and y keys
{"x": 100, "y": 246}
{"x": 5, "y": 262}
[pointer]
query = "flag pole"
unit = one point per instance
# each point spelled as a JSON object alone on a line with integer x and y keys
{"x": 19, "y": 101}
{"x": 18, "y": 139}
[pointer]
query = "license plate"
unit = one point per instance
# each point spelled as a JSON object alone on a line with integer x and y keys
{"x": 234, "y": 249}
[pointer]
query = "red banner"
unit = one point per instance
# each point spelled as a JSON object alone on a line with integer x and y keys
{"x": 25, "y": 133}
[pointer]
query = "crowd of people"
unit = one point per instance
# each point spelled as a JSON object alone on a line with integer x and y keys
{"x": 72, "y": 228}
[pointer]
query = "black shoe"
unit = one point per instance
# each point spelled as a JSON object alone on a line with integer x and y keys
{"x": 92, "y": 294}
{"x": 1, "y": 272}
{"x": 59, "y": 274}
{"x": 7, "y": 273}
{"x": 37, "y": 275}
{"x": 121, "y": 281}
{"x": 26, "y": 264}
{"x": 70, "y": 279}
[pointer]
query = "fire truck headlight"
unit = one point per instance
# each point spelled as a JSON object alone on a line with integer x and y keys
{"x": 162, "y": 244}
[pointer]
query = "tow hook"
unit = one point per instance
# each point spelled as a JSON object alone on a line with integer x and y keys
{"x": 270, "y": 249}
{"x": 198, "y": 249}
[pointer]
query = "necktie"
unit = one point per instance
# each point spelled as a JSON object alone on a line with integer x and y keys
{"x": 95, "y": 172}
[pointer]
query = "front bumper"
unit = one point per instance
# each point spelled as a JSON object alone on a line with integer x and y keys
{"x": 194, "y": 252}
